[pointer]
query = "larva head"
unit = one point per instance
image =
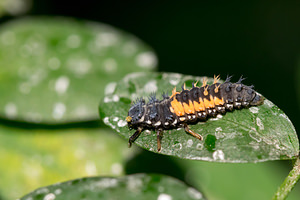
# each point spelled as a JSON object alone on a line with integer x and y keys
{"x": 257, "y": 100}
{"x": 135, "y": 113}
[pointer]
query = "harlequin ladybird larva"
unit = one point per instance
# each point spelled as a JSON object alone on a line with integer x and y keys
{"x": 189, "y": 107}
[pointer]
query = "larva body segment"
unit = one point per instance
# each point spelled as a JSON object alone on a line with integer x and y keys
{"x": 189, "y": 107}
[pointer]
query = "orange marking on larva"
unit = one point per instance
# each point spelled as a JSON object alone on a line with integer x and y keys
{"x": 218, "y": 102}
{"x": 217, "y": 88}
{"x": 177, "y": 106}
{"x": 189, "y": 108}
{"x": 174, "y": 92}
{"x": 205, "y": 90}
{"x": 209, "y": 103}
{"x": 195, "y": 84}
{"x": 216, "y": 78}
{"x": 199, "y": 106}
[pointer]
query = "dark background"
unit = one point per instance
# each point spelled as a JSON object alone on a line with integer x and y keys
{"x": 258, "y": 39}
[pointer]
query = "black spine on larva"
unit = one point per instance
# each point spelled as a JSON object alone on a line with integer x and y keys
{"x": 226, "y": 92}
{"x": 153, "y": 112}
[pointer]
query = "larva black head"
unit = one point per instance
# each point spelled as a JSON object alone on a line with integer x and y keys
{"x": 257, "y": 100}
{"x": 135, "y": 113}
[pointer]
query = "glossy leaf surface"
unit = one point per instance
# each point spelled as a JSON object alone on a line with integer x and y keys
{"x": 248, "y": 135}
{"x": 54, "y": 70}
{"x": 138, "y": 186}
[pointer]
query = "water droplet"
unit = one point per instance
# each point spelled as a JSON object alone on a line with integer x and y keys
{"x": 129, "y": 48}
{"x": 62, "y": 84}
{"x": 16, "y": 7}
{"x": 122, "y": 123}
{"x": 177, "y": 146}
{"x": 25, "y": 88}
{"x": 10, "y": 110}
{"x": 110, "y": 65}
{"x": 146, "y": 60}
{"x": 254, "y": 109}
{"x": 49, "y": 196}
{"x": 54, "y": 63}
{"x": 8, "y": 38}
{"x": 106, "y": 120}
{"x": 116, "y": 169}
{"x": 90, "y": 168}
{"x": 115, "y": 98}
{"x": 37, "y": 76}
{"x": 193, "y": 193}
{"x": 42, "y": 191}
{"x": 164, "y": 197}
{"x": 58, "y": 191}
{"x": 106, "y": 39}
{"x": 254, "y": 135}
{"x": 79, "y": 66}
{"x": 110, "y": 88}
{"x": 151, "y": 86}
{"x": 218, "y": 155}
{"x": 105, "y": 183}
{"x": 189, "y": 142}
{"x": 219, "y": 133}
{"x": 79, "y": 153}
{"x": 199, "y": 146}
{"x": 73, "y": 41}
{"x": 134, "y": 184}
{"x": 268, "y": 103}
{"x": 259, "y": 124}
{"x": 284, "y": 116}
{"x": 58, "y": 110}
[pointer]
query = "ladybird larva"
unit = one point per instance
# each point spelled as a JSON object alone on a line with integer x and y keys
{"x": 189, "y": 107}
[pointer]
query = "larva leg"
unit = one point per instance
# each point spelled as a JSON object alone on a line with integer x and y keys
{"x": 134, "y": 136}
{"x": 189, "y": 131}
{"x": 159, "y": 135}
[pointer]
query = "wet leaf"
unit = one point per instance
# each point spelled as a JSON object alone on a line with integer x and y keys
{"x": 31, "y": 158}
{"x": 138, "y": 186}
{"x": 55, "y": 69}
{"x": 249, "y": 135}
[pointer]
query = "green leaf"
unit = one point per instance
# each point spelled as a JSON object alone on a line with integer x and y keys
{"x": 31, "y": 158}
{"x": 55, "y": 69}
{"x": 138, "y": 186}
{"x": 249, "y": 135}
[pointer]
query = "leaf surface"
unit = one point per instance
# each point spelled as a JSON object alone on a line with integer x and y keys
{"x": 138, "y": 186}
{"x": 53, "y": 70}
{"x": 31, "y": 158}
{"x": 248, "y": 135}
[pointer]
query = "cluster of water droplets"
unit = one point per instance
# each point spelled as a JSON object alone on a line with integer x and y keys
{"x": 55, "y": 63}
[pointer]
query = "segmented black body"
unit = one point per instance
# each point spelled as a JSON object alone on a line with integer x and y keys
{"x": 190, "y": 106}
